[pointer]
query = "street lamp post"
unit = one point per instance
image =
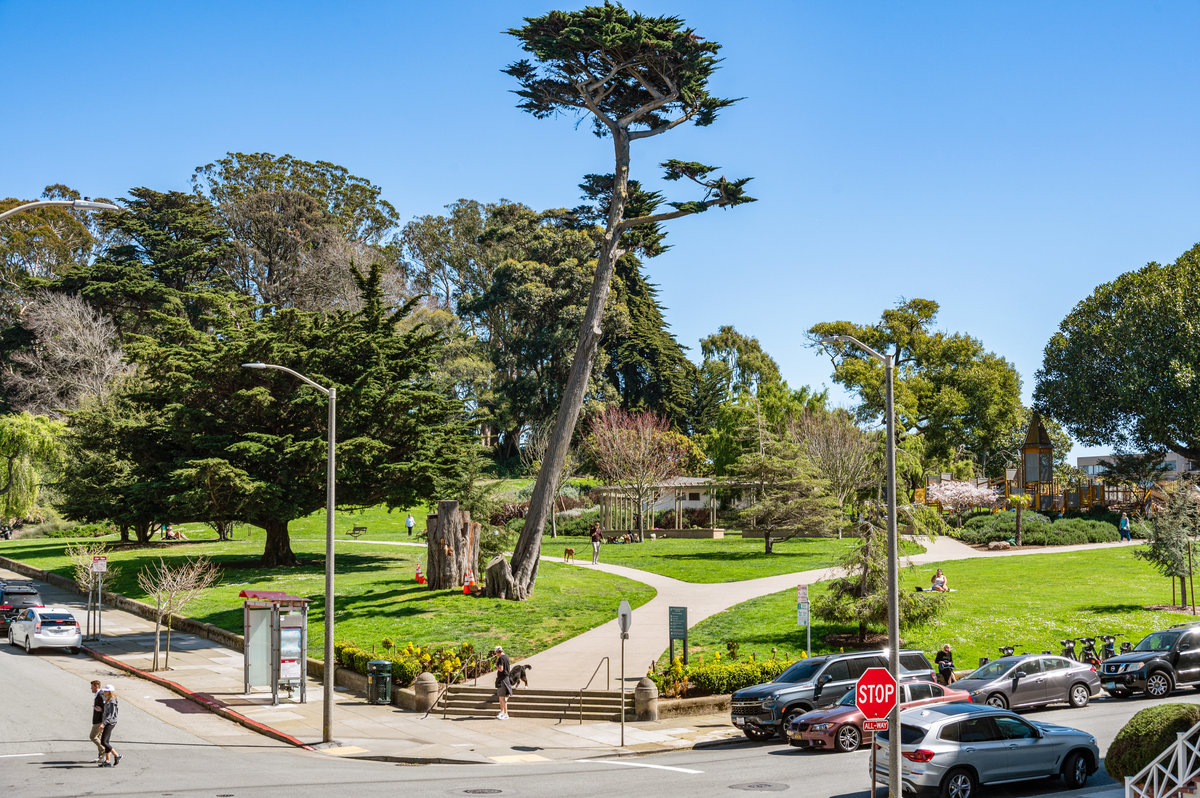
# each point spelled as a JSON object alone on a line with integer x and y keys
{"x": 331, "y": 392}
{"x": 79, "y": 205}
{"x": 893, "y": 558}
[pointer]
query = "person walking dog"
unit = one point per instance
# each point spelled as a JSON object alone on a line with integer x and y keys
{"x": 107, "y": 723}
{"x": 597, "y": 539}
{"x": 97, "y": 720}
{"x": 504, "y": 686}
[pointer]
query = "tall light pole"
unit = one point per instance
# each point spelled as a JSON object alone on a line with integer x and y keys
{"x": 331, "y": 392}
{"x": 79, "y": 205}
{"x": 893, "y": 558}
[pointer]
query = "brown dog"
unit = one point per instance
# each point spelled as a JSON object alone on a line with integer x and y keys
{"x": 568, "y": 554}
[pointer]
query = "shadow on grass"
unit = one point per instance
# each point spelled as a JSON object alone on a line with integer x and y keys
{"x": 1103, "y": 608}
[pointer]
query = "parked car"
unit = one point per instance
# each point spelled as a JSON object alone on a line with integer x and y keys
{"x": 765, "y": 710}
{"x": 1031, "y": 680}
{"x": 14, "y": 597}
{"x": 840, "y": 727}
{"x": 954, "y": 748}
{"x": 41, "y": 627}
{"x": 1159, "y": 663}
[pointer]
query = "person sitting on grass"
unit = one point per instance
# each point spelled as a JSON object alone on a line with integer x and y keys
{"x": 938, "y": 582}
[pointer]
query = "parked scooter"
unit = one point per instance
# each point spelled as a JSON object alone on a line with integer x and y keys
{"x": 1007, "y": 651}
{"x": 1068, "y": 648}
{"x": 1109, "y": 649}
{"x": 1088, "y": 654}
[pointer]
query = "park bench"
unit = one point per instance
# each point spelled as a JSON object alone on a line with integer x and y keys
{"x": 357, "y": 531}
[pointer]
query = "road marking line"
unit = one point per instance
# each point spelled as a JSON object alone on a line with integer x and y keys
{"x": 638, "y": 765}
{"x": 6, "y": 756}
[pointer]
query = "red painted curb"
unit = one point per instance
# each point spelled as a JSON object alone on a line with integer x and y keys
{"x": 216, "y": 707}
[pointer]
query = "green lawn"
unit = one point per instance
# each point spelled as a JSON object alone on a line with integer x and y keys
{"x": 729, "y": 559}
{"x": 1031, "y": 600}
{"x": 377, "y": 596}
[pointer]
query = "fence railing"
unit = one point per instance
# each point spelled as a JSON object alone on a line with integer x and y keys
{"x": 1173, "y": 769}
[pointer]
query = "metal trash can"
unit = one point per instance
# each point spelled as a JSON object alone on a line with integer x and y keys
{"x": 379, "y": 681}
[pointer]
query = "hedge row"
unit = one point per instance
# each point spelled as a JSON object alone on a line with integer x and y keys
{"x": 716, "y": 678}
{"x": 1037, "y": 530}
{"x": 1146, "y": 735}
{"x": 409, "y": 662}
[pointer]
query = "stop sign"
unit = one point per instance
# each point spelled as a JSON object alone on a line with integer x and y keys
{"x": 875, "y": 693}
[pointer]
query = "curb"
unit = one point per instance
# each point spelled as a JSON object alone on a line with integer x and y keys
{"x": 215, "y": 707}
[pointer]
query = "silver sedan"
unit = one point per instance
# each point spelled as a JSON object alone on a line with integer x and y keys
{"x": 1031, "y": 680}
{"x": 42, "y": 627}
{"x": 954, "y": 748}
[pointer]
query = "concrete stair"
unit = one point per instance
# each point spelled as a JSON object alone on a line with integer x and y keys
{"x": 597, "y": 705}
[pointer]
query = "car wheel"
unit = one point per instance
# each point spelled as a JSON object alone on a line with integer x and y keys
{"x": 959, "y": 783}
{"x": 28, "y": 650}
{"x": 788, "y": 717}
{"x": 757, "y": 734}
{"x": 1158, "y": 685}
{"x": 1075, "y": 771}
{"x": 997, "y": 700}
{"x": 849, "y": 738}
{"x": 1079, "y": 695}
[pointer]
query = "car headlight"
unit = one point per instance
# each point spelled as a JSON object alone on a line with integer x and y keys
{"x": 769, "y": 703}
{"x": 821, "y": 727}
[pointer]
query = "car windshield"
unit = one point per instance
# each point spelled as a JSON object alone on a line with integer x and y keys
{"x": 847, "y": 700}
{"x": 1159, "y": 641}
{"x": 802, "y": 671}
{"x": 993, "y": 670}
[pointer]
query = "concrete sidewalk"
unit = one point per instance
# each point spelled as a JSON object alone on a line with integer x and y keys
{"x": 211, "y": 675}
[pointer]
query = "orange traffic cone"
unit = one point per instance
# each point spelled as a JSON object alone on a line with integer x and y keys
{"x": 420, "y": 576}
{"x": 468, "y": 583}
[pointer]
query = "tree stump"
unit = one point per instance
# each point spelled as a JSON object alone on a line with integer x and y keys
{"x": 452, "y": 547}
{"x": 499, "y": 578}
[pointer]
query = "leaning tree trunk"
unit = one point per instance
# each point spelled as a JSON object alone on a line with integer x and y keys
{"x": 452, "y": 544}
{"x": 278, "y": 548}
{"x": 529, "y": 546}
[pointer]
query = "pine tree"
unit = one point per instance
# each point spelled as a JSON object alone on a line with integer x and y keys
{"x": 1173, "y": 532}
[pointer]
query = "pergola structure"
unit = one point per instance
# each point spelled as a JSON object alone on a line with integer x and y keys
{"x": 619, "y": 510}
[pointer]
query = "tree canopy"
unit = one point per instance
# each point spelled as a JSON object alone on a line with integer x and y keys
{"x": 1123, "y": 370}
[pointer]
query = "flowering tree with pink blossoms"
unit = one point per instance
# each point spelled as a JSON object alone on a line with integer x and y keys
{"x": 961, "y": 496}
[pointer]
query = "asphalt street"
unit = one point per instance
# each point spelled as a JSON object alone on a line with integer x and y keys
{"x": 172, "y": 748}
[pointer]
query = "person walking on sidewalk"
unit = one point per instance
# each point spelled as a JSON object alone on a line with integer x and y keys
{"x": 97, "y": 719}
{"x": 504, "y": 687}
{"x": 1125, "y": 528}
{"x": 597, "y": 539}
{"x": 410, "y": 522}
{"x": 107, "y": 723}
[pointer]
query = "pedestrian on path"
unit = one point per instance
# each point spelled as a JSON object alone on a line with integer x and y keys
{"x": 107, "y": 724}
{"x": 504, "y": 686}
{"x": 97, "y": 719}
{"x": 410, "y": 522}
{"x": 1125, "y": 528}
{"x": 597, "y": 539}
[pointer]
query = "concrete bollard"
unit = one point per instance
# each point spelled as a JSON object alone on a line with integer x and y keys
{"x": 426, "y": 689}
{"x": 645, "y": 700}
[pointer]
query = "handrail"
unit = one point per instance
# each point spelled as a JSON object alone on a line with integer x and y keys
{"x": 475, "y": 660}
{"x": 607, "y": 680}
{"x": 1170, "y": 771}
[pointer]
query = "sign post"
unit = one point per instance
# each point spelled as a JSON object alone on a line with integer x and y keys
{"x": 677, "y": 630}
{"x": 99, "y": 568}
{"x": 802, "y": 614}
{"x": 876, "y": 695}
{"x": 624, "y": 619}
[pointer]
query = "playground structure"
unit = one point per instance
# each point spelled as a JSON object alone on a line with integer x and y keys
{"x": 1035, "y": 478}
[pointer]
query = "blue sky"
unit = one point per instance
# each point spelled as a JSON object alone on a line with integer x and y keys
{"x": 1002, "y": 159}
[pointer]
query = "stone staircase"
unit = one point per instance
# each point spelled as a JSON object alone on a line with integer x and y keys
{"x": 480, "y": 701}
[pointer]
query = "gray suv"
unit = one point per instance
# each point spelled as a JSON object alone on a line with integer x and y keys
{"x": 953, "y": 748}
{"x": 765, "y": 710}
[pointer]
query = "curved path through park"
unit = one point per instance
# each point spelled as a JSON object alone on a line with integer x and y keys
{"x": 568, "y": 665}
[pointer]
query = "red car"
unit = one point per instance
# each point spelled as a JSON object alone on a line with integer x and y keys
{"x": 839, "y": 727}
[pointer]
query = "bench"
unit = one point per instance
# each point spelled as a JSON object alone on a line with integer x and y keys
{"x": 357, "y": 531}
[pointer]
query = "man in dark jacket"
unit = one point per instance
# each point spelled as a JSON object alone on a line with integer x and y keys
{"x": 504, "y": 686}
{"x": 97, "y": 720}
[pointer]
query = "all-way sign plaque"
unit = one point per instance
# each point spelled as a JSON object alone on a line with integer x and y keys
{"x": 875, "y": 725}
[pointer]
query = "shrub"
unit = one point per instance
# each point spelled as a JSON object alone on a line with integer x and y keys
{"x": 96, "y": 530}
{"x": 717, "y": 678}
{"x": 928, "y": 521}
{"x": 1146, "y": 735}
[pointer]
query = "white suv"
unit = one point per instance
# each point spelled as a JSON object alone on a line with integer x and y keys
{"x": 45, "y": 627}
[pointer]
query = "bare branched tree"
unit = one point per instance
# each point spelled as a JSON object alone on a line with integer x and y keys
{"x": 74, "y": 355}
{"x": 532, "y": 455}
{"x": 81, "y": 556}
{"x": 171, "y": 588}
{"x": 637, "y": 452}
{"x": 844, "y": 456}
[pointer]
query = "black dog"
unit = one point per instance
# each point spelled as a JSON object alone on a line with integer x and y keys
{"x": 517, "y": 674}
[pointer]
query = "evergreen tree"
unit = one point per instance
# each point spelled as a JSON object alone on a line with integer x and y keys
{"x": 1173, "y": 533}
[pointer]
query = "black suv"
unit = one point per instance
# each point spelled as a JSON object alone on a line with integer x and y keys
{"x": 766, "y": 709}
{"x": 1156, "y": 665}
{"x": 14, "y": 597}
